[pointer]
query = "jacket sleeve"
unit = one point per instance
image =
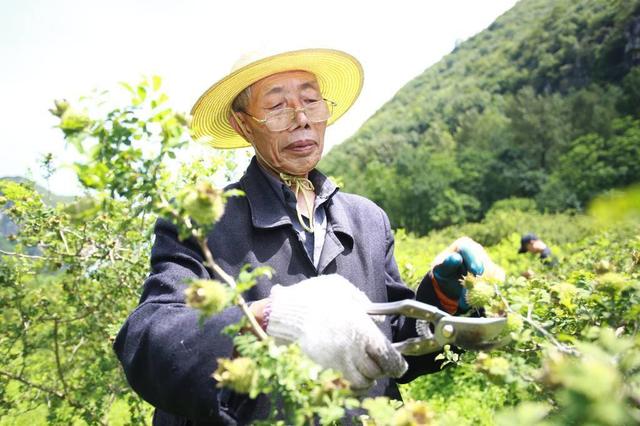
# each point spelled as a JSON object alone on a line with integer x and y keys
{"x": 402, "y": 327}
{"x": 168, "y": 358}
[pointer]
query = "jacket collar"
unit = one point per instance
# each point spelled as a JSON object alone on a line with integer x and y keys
{"x": 268, "y": 211}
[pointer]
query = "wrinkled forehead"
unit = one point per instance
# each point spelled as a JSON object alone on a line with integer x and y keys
{"x": 285, "y": 82}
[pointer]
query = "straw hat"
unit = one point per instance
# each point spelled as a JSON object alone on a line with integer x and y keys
{"x": 339, "y": 75}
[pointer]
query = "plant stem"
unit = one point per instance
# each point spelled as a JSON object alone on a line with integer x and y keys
{"x": 26, "y": 256}
{"x": 255, "y": 327}
{"x": 64, "y": 241}
{"x": 57, "y": 353}
{"x": 51, "y": 391}
{"x": 228, "y": 279}
{"x": 550, "y": 337}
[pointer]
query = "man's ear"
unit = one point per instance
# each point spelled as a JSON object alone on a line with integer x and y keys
{"x": 238, "y": 124}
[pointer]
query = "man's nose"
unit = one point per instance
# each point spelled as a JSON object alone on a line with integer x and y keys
{"x": 300, "y": 118}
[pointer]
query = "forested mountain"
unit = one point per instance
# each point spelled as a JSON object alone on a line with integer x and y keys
{"x": 543, "y": 104}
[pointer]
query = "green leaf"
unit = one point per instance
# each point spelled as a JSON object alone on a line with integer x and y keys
{"x": 157, "y": 82}
{"x": 127, "y": 86}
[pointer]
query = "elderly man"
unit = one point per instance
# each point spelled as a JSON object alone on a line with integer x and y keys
{"x": 296, "y": 221}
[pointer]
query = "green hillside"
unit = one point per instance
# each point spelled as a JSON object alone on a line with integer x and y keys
{"x": 7, "y": 227}
{"x": 48, "y": 197}
{"x": 543, "y": 104}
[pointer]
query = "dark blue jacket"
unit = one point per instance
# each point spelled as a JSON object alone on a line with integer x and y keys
{"x": 168, "y": 359}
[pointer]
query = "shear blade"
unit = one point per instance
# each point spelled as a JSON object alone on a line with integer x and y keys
{"x": 471, "y": 333}
{"x": 417, "y": 346}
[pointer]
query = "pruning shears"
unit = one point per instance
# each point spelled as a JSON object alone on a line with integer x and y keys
{"x": 437, "y": 328}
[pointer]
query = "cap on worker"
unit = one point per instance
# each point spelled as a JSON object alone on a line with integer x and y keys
{"x": 339, "y": 75}
{"x": 525, "y": 240}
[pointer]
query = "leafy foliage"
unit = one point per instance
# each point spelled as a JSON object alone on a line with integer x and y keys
{"x": 76, "y": 268}
{"x": 574, "y": 355}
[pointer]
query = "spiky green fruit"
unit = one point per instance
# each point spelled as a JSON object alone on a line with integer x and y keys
{"x": 493, "y": 366}
{"x": 73, "y": 121}
{"x": 514, "y": 323}
{"x": 209, "y": 296}
{"x": 414, "y": 413}
{"x": 480, "y": 294}
{"x": 237, "y": 374}
{"x": 203, "y": 202}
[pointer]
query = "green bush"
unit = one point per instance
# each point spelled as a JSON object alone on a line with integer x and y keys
{"x": 575, "y": 352}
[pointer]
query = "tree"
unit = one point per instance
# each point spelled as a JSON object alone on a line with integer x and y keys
{"x": 62, "y": 306}
{"x": 594, "y": 164}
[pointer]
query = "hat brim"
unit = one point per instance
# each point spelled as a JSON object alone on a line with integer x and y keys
{"x": 340, "y": 77}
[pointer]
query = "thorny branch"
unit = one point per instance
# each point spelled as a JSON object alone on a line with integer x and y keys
{"x": 64, "y": 241}
{"x": 26, "y": 256}
{"x": 529, "y": 320}
{"x": 255, "y": 327}
{"x": 42, "y": 388}
{"x": 57, "y": 353}
{"x": 210, "y": 262}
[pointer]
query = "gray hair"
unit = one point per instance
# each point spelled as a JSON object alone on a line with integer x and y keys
{"x": 241, "y": 102}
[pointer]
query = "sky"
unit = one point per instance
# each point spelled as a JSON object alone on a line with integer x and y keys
{"x": 67, "y": 48}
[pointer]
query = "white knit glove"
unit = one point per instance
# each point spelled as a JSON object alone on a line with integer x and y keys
{"x": 327, "y": 317}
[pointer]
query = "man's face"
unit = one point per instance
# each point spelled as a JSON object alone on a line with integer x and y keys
{"x": 536, "y": 246}
{"x": 297, "y": 149}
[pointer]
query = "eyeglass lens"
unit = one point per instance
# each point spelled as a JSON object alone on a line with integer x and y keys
{"x": 315, "y": 111}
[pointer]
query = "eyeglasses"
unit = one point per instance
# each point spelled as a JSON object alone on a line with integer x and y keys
{"x": 281, "y": 119}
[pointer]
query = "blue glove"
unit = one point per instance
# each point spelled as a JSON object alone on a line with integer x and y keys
{"x": 450, "y": 266}
{"x": 455, "y": 266}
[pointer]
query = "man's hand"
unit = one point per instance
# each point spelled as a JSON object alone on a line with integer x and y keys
{"x": 462, "y": 257}
{"x": 327, "y": 317}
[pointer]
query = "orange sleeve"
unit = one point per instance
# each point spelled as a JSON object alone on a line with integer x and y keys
{"x": 448, "y": 304}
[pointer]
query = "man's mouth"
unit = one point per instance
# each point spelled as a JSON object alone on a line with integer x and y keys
{"x": 302, "y": 145}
